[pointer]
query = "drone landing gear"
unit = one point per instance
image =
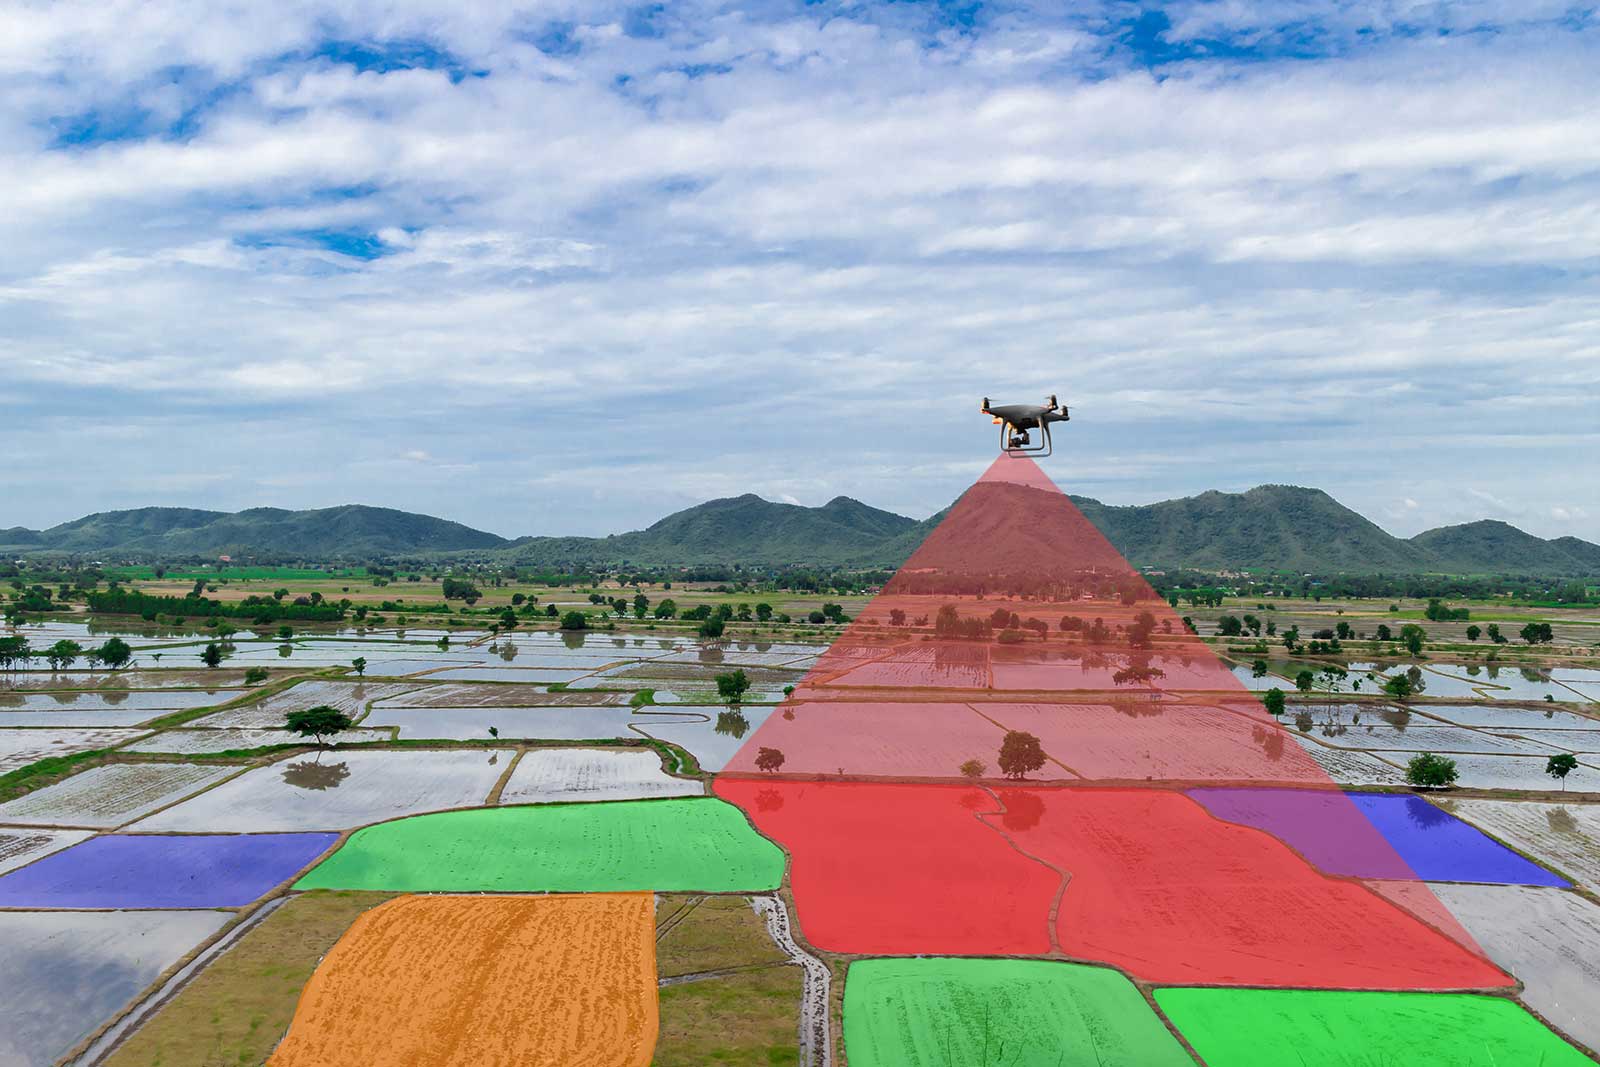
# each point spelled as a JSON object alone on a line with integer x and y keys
{"x": 1015, "y": 442}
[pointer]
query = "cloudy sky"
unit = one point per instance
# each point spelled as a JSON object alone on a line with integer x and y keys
{"x": 565, "y": 267}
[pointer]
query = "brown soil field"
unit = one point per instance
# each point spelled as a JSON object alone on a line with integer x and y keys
{"x": 482, "y": 981}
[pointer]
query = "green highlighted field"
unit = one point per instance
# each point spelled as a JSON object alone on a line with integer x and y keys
{"x": 1273, "y": 1027}
{"x": 942, "y": 1012}
{"x": 699, "y": 844}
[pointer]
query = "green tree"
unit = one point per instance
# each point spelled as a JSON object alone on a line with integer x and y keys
{"x": 1559, "y": 766}
{"x": 1473, "y": 632}
{"x": 115, "y": 653}
{"x": 285, "y": 633}
{"x": 973, "y": 768}
{"x": 1495, "y": 635}
{"x": 1274, "y": 700}
{"x": 360, "y": 664}
{"x": 1304, "y": 681}
{"x": 731, "y": 687}
{"x": 1412, "y": 636}
{"x": 641, "y": 604}
{"x": 711, "y": 629}
{"x": 763, "y": 612}
{"x": 574, "y": 620}
{"x": 769, "y": 759}
{"x": 63, "y": 654}
{"x": 211, "y": 655}
{"x": 1020, "y": 752}
{"x": 1536, "y": 633}
{"x": 1398, "y": 686}
{"x": 1431, "y": 771}
{"x": 666, "y": 609}
{"x": 255, "y": 675}
{"x": 319, "y": 722}
{"x": 1383, "y": 632}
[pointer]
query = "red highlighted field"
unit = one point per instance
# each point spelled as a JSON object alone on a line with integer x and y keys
{"x": 1168, "y": 893}
{"x": 901, "y": 869}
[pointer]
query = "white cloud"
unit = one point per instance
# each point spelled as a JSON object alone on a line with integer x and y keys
{"x": 791, "y": 248}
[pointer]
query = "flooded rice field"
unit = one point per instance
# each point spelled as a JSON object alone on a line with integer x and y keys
{"x": 20, "y": 747}
{"x": 112, "y": 795}
{"x": 490, "y": 695}
{"x": 82, "y": 968}
{"x": 191, "y": 742}
{"x": 19, "y": 846}
{"x": 158, "y": 700}
{"x": 1548, "y": 938}
{"x": 556, "y": 723}
{"x": 1565, "y": 836}
{"x": 1510, "y": 718}
{"x": 153, "y": 871}
{"x": 566, "y": 774}
{"x": 712, "y": 740}
{"x": 1381, "y": 737}
{"x": 336, "y": 791}
{"x": 351, "y": 698}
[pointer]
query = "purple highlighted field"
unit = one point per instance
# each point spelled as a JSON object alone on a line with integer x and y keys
{"x": 1376, "y": 835}
{"x": 147, "y": 871}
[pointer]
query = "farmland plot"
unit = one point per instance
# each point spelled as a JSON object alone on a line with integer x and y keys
{"x": 1348, "y": 767}
{"x": 1515, "y": 772}
{"x": 511, "y": 981}
{"x": 710, "y": 738}
{"x": 1381, "y": 737}
{"x": 81, "y": 719}
{"x": 1032, "y": 1012}
{"x": 191, "y": 742}
{"x": 18, "y": 847}
{"x": 351, "y": 698}
{"x": 153, "y": 871}
{"x": 487, "y": 695}
{"x": 552, "y": 723}
{"x": 81, "y": 969}
{"x": 1566, "y": 836}
{"x": 125, "y": 680}
{"x": 1382, "y": 836}
{"x": 877, "y": 739}
{"x": 898, "y": 869}
{"x": 561, "y": 774}
{"x": 18, "y": 748}
{"x": 111, "y": 795}
{"x": 673, "y": 845}
{"x": 336, "y": 791}
{"x": 1169, "y": 894}
{"x": 1273, "y": 1027}
{"x": 1547, "y": 938}
{"x": 1160, "y": 741}
{"x": 156, "y": 700}
{"x": 543, "y": 676}
{"x": 1505, "y": 719}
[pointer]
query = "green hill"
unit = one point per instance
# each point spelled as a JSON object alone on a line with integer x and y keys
{"x": 1279, "y": 527}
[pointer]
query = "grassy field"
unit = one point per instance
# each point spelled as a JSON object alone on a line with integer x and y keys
{"x": 235, "y": 1010}
{"x": 747, "y": 1017}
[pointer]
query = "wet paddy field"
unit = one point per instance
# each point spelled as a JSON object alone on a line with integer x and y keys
{"x": 565, "y": 796}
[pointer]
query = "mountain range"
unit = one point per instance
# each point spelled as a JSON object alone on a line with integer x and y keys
{"x": 1270, "y": 527}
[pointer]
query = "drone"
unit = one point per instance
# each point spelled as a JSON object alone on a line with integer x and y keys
{"x": 1015, "y": 420}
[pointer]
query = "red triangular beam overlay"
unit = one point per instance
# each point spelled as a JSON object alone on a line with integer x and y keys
{"x": 1175, "y": 831}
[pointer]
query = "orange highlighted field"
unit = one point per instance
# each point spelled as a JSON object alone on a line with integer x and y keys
{"x": 484, "y": 981}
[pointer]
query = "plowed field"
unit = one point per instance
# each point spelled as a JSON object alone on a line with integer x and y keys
{"x": 484, "y": 981}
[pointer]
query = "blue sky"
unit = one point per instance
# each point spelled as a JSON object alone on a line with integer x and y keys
{"x": 566, "y": 268}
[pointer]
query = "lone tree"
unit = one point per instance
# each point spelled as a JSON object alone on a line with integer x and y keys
{"x": 211, "y": 655}
{"x": 769, "y": 759}
{"x": 574, "y": 620}
{"x": 255, "y": 675}
{"x": 1020, "y": 753}
{"x": 360, "y": 664}
{"x": 731, "y": 687}
{"x": 115, "y": 653}
{"x": 1399, "y": 686}
{"x": 1274, "y": 700}
{"x": 318, "y": 722}
{"x": 1434, "y": 772}
{"x": 711, "y": 629}
{"x": 973, "y": 768}
{"x": 1558, "y": 767}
